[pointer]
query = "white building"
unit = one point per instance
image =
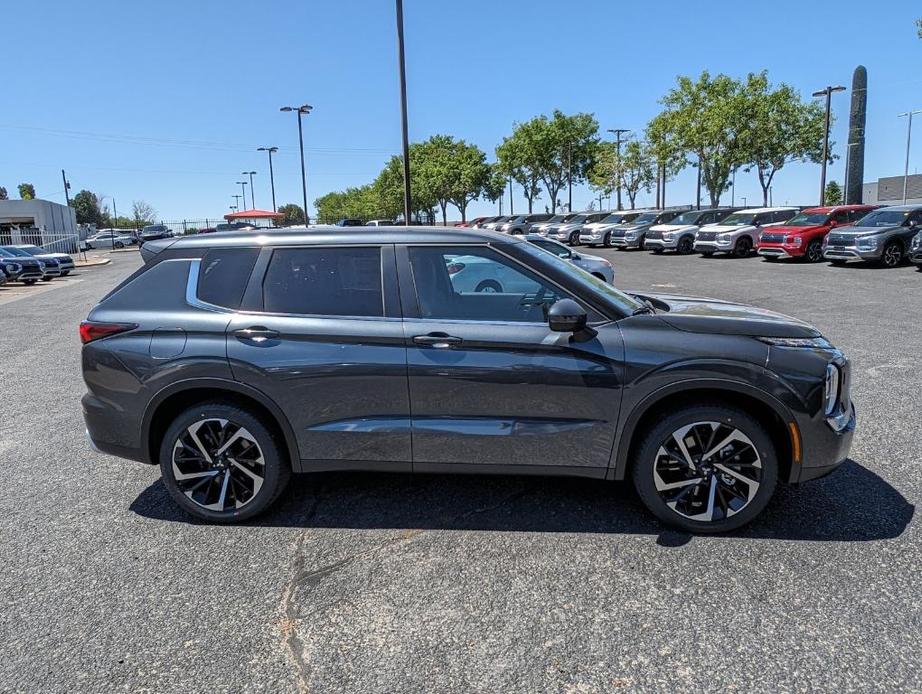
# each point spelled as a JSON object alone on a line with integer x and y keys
{"x": 41, "y": 222}
{"x": 889, "y": 191}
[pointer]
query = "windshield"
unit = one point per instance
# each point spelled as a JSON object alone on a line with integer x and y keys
{"x": 688, "y": 217}
{"x": 738, "y": 219}
{"x": 556, "y": 218}
{"x": 807, "y": 219}
{"x": 884, "y": 218}
{"x": 614, "y": 218}
{"x": 646, "y": 218}
{"x": 577, "y": 219}
{"x": 553, "y": 247}
{"x": 570, "y": 217}
{"x": 16, "y": 251}
{"x": 32, "y": 250}
{"x": 625, "y": 303}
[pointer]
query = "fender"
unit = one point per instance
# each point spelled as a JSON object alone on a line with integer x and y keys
{"x": 629, "y": 425}
{"x": 220, "y": 384}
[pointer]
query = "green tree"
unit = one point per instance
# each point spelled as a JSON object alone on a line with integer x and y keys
{"x": 636, "y": 169}
{"x": 291, "y": 215}
{"x": 919, "y": 28}
{"x": 86, "y": 208}
{"x": 666, "y": 151}
{"x": 469, "y": 175}
{"x": 495, "y": 187}
{"x": 557, "y": 147}
{"x": 833, "y": 194}
{"x": 3, "y": 194}
{"x": 27, "y": 191}
{"x": 512, "y": 161}
{"x": 603, "y": 175}
{"x": 706, "y": 117}
{"x": 780, "y": 128}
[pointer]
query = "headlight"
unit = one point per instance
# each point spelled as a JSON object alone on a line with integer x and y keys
{"x": 10, "y": 267}
{"x": 41, "y": 264}
{"x": 724, "y": 238}
{"x": 831, "y": 389}
{"x": 869, "y": 242}
{"x": 801, "y": 342}
{"x": 630, "y": 236}
{"x": 667, "y": 237}
{"x": 917, "y": 242}
{"x": 794, "y": 241}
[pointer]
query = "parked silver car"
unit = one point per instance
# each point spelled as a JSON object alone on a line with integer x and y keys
{"x": 596, "y": 233}
{"x": 496, "y": 223}
{"x": 568, "y": 231}
{"x": 679, "y": 234}
{"x": 593, "y": 264}
{"x": 884, "y": 235}
{"x": 738, "y": 233}
{"x": 110, "y": 238}
{"x": 634, "y": 234}
{"x": 542, "y": 227}
{"x": 522, "y": 223}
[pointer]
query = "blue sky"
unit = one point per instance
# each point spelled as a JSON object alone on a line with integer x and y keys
{"x": 167, "y": 101}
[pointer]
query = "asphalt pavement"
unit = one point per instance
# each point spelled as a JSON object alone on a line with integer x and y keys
{"x": 385, "y": 583}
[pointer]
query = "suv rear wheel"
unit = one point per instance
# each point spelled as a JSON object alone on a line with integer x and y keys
{"x": 574, "y": 238}
{"x": 607, "y": 241}
{"x": 686, "y": 245}
{"x": 706, "y": 468}
{"x": 743, "y": 248}
{"x": 221, "y": 463}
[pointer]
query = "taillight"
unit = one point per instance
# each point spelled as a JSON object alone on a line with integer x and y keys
{"x": 455, "y": 268}
{"x": 90, "y": 331}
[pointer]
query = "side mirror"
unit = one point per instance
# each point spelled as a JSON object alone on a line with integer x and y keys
{"x": 833, "y": 223}
{"x": 567, "y": 316}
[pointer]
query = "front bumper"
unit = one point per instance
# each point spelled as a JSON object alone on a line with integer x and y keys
{"x": 851, "y": 253}
{"x": 713, "y": 246}
{"x": 777, "y": 250}
{"x": 624, "y": 242}
{"x": 661, "y": 244}
{"x": 591, "y": 238}
{"x": 30, "y": 274}
{"x": 916, "y": 256}
{"x": 52, "y": 271}
{"x": 826, "y": 445}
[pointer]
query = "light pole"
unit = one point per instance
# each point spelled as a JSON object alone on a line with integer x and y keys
{"x": 733, "y": 188}
{"x": 243, "y": 187}
{"x": 570, "y": 176}
{"x": 270, "y": 150}
{"x": 401, "y": 59}
{"x": 827, "y": 92}
{"x": 618, "y": 132}
{"x": 301, "y": 111}
{"x": 744, "y": 200}
{"x": 908, "y": 139}
{"x": 236, "y": 205}
{"x": 252, "y": 195}
{"x": 511, "y": 211}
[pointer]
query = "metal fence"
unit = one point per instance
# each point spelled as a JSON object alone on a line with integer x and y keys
{"x": 54, "y": 242}
{"x": 192, "y": 226}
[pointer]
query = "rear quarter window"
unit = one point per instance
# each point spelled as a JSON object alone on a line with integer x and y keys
{"x": 152, "y": 288}
{"x": 223, "y": 275}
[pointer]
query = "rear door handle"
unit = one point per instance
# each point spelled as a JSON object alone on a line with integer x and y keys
{"x": 256, "y": 333}
{"x": 437, "y": 340}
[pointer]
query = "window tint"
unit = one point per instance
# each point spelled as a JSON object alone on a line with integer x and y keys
{"x": 476, "y": 283}
{"x": 223, "y": 275}
{"x": 841, "y": 217}
{"x": 784, "y": 215}
{"x": 855, "y": 215}
{"x": 324, "y": 282}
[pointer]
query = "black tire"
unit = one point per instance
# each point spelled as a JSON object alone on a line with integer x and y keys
{"x": 118, "y": 244}
{"x": 657, "y": 251}
{"x": 489, "y": 286}
{"x": 743, "y": 247}
{"x": 646, "y": 459}
{"x": 574, "y": 239}
{"x": 892, "y": 255}
{"x": 642, "y": 243}
{"x": 685, "y": 246}
{"x": 275, "y": 468}
{"x": 814, "y": 252}
{"x": 607, "y": 240}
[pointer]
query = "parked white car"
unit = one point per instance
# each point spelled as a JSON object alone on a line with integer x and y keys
{"x": 110, "y": 238}
{"x": 738, "y": 233}
{"x": 595, "y": 265}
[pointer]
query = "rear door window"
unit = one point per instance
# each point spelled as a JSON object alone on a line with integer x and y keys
{"x": 223, "y": 275}
{"x": 323, "y": 281}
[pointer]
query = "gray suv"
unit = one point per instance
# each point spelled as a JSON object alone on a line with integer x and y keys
{"x": 233, "y": 360}
{"x": 634, "y": 234}
{"x": 884, "y": 236}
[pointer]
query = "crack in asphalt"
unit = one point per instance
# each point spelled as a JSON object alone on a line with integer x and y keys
{"x": 301, "y": 579}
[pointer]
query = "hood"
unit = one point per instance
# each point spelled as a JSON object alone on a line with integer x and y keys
{"x": 782, "y": 229}
{"x": 723, "y": 228}
{"x": 674, "y": 227}
{"x": 699, "y": 315}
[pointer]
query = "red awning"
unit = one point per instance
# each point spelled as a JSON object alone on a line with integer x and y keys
{"x": 253, "y": 214}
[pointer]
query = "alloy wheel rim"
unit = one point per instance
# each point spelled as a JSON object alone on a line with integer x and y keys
{"x": 707, "y": 471}
{"x": 814, "y": 252}
{"x": 218, "y": 464}
{"x": 892, "y": 255}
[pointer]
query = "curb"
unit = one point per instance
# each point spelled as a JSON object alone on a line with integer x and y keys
{"x": 92, "y": 263}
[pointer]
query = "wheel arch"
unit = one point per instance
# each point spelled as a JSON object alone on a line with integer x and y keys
{"x": 173, "y": 399}
{"x": 770, "y": 412}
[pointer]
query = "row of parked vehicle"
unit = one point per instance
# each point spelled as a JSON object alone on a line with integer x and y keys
{"x": 28, "y": 264}
{"x": 123, "y": 238}
{"x": 840, "y": 233}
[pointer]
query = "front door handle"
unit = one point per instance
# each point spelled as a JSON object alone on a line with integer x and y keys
{"x": 437, "y": 340}
{"x": 256, "y": 333}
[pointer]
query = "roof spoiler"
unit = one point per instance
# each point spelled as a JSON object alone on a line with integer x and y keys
{"x": 151, "y": 249}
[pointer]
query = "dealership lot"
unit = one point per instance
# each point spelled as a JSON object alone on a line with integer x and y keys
{"x": 373, "y": 582}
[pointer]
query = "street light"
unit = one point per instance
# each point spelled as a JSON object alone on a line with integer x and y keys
{"x": 243, "y": 187}
{"x": 236, "y": 201}
{"x": 270, "y": 150}
{"x": 302, "y": 110}
{"x": 618, "y": 132}
{"x": 908, "y": 139}
{"x": 252, "y": 196}
{"x": 407, "y": 197}
{"x": 827, "y": 92}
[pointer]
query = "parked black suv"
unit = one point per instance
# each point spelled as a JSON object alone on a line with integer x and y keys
{"x": 31, "y": 270}
{"x": 232, "y": 360}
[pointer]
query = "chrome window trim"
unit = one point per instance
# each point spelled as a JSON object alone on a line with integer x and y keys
{"x": 192, "y": 289}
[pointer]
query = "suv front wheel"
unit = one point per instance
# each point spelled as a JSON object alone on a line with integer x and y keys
{"x": 221, "y": 463}
{"x": 706, "y": 468}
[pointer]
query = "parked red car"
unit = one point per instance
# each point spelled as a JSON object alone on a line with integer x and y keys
{"x": 471, "y": 222}
{"x": 802, "y": 236}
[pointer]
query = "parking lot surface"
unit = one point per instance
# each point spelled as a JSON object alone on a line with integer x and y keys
{"x": 388, "y": 583}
